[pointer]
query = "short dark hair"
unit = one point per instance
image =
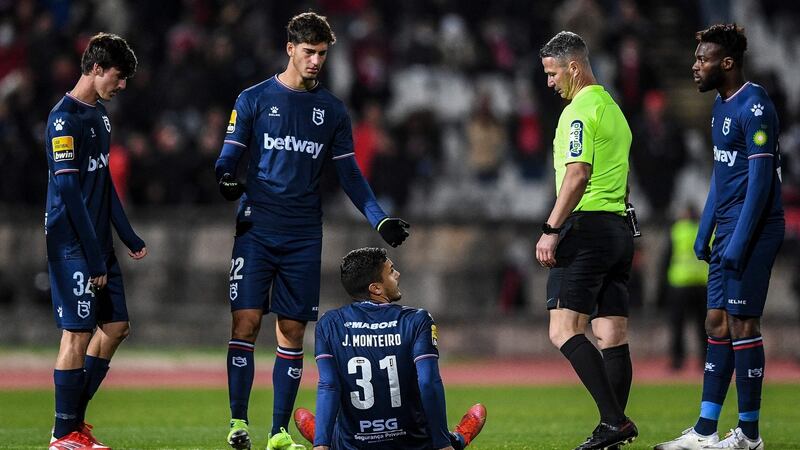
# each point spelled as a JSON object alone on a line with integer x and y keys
{"x": 729, "y": 36}
{"x": 360, "y": 268}
{"x": 563, "y": 45}
{"x": 311, "y": 28}
{"x": 109, "y": 50}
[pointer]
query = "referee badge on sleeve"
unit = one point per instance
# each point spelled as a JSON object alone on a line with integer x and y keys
{"x": 575, "y": 138}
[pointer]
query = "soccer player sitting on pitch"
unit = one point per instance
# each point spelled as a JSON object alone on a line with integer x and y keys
{"x": 85, "y": 277}
{"x": 379, "y": 384}
{"x": 288, "y": 126}
{"x": 744, "y": 212}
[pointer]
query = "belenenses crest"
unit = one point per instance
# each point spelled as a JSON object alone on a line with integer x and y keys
{"x": 318, "y": 116}
{"x": 84, "y": 307}
{"x": 726, "y": 126}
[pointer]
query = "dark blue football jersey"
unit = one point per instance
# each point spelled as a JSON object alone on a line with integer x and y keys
{"x": 77, "y": 140}
{"x": 743, "y": 127}
{"x": 288, "y": 135}
{"x": 375, "y": 347}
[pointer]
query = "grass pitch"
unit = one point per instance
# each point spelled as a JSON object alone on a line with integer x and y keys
{"x": 518, "y": 417}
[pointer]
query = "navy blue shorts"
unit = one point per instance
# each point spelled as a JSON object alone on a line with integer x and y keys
{"x": 743, "y": 293}
{"x": 593, "y": 265}
{"x": 74, "y": 305}
{"x": 275, "y": 272}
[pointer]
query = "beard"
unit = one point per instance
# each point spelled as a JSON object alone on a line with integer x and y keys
{"x": 711, "y": 82}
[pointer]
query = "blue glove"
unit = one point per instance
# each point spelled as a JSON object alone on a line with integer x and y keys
{"x": 701, "y": 249}
{"x": 732, "y": 257}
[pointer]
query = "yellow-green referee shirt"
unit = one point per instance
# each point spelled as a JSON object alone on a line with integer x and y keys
{"x": 593, "y": 130}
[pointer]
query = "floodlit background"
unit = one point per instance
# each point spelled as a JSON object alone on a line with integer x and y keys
{"x": 453, "y": 125}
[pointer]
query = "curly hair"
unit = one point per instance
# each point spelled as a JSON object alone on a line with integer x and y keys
{"x": 360, "y": 268}
{"x": 564, "y": 44}
{"x": 730, "y": 37}
{"x": 109, "y": 50}
{"x": 311, "y": 28}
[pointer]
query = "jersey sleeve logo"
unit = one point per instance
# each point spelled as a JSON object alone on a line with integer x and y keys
{"x": 760, "y": 138}
{"x": 434, "y": 335}
{"x": 232, "y": 122}
{"x": 58, "y": 124}
{"x": 757, "y": 109}
{"x": 575, "y": 138}
{"x": 318, "y": 116}
{"x": 63, "y": 148}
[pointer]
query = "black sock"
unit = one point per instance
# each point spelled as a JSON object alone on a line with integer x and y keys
{"x": 620, "y": 372}
{"x": 588, "y": 364}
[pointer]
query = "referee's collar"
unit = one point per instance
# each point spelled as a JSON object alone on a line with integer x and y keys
{"x": 589, "y": 88}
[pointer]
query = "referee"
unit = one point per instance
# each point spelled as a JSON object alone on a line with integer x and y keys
{"x": 586, "y": 241}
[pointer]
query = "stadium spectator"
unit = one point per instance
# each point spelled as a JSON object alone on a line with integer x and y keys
{"x": 658, "y": 153}
{"x": 82, "y": 204}
{"x": 744, "y": 214}
{"x": 288, "y": 127}
{"x": 586, "y": 241}
{"x": 395, "y": 353}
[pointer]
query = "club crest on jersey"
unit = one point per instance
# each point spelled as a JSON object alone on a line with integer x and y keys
{"x": 575, "y": 138}
{"x": 84, "y": 307}
{"x": 234, "y": 292}
{"x": 726, "y": 126}
{"x": 107, "y": 123}
{"x": 63, "y": 148}
{"x": 318, "y": 116}
{"x": 232, "y": 123}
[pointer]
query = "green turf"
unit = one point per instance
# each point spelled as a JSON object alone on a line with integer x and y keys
{"x": 519, "y": 418}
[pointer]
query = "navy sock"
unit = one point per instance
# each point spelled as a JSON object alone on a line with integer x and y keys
{"x": 716, "y": 380}
{"x": 241, "y": 371}
{"x": 749, "y": 355}
{"x": 588, "y": 364}
{"x": 620, "y": 371}
{"x": 96, "y": 370}
{"x": 69, "y": 385}
{"x": 285, "y": 381}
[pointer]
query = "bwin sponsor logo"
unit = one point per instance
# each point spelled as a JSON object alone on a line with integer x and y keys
{"x": 725, "y": 156}
{"x": 291, "y": 143}
{"x": 98, "y": 163}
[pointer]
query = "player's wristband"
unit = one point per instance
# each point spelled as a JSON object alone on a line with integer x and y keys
{"x": 547, "y": 229}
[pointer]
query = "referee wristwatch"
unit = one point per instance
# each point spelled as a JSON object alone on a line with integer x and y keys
{"x": 547, "y": 229}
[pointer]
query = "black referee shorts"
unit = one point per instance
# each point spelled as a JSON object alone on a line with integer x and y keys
{"x": 593, "y": 265}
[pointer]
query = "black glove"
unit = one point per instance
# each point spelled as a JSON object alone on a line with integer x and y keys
{"x": 230, "y": 188}
{"x": 393, "y": 230}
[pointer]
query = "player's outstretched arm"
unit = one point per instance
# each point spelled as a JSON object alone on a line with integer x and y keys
{"x": 759, "y": 184}
{"x": 124, "y": 229}
{"x": 708, "y": 221}
{"x": 70, "y": 190}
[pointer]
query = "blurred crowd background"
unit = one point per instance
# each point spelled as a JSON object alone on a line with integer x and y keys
{"x": 453, "y": 125}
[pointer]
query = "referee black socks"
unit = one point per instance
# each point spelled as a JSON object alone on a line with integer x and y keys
{"x": 588, "y": 364}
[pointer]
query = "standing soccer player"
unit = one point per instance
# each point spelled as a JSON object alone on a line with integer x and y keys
{"x": 379, "y": 384}
{"x": 289, "y": 126}
{"x": 586, "y": 241}
{"x": 744, "y": 213}
{"x": 85, "y": 277}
